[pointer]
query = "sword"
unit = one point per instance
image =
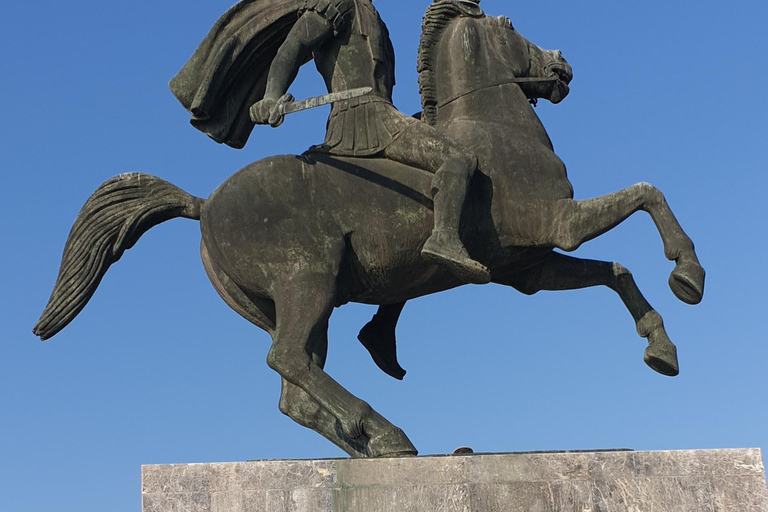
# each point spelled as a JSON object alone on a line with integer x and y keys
{"x": 289, "y": 107}
{"x": 286, "y": 104}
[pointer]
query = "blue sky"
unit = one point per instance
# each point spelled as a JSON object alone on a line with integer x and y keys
{"x": 157, "y": 369}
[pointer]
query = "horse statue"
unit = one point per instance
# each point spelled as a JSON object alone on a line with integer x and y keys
{"x": 289, "y": 238}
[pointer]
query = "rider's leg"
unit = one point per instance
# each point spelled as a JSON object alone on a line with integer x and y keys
{"x": 422, "y": 146}
{"x": 378, "y": 337}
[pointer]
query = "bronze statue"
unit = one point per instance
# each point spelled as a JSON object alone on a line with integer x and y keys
{"x": 351, "y": 49}
{"x": 289, "y": 238}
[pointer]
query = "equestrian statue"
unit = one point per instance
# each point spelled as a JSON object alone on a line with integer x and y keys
{"x": 388, "y": 208}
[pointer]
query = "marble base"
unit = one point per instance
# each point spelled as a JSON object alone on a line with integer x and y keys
{"x": 679, "y": 481}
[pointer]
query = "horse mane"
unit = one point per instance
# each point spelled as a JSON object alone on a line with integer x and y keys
{"x": 437, "y": 18}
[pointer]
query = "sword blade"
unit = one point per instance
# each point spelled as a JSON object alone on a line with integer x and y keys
{"x": 317, "y": 101}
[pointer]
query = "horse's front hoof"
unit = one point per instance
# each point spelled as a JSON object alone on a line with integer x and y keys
{"x": 687, "y": 282}
{"x": 391, "y": 443}
{"x": 661, "y": 354}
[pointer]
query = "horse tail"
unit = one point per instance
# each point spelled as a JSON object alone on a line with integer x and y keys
{"x": 111, "y": 221}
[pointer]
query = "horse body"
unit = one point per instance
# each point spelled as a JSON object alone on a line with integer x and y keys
{"x": 509, "y": 212}
{"x": 283, "y": 211}
{"x": 289, "y": 238}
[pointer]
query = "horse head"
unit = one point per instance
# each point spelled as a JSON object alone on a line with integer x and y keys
{"x": 549, "y": 67}
{"x": 469, "y": 56}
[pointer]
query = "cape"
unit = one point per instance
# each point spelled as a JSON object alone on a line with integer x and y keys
{"x": 228, "y": 71}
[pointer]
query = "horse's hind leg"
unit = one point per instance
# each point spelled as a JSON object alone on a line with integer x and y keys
{"x": 304, "y": 303}
{"x": 580, "y": 221}
{"x": 294, "y": 401}
{"x": 560, "y": 272}
{"x": 306, "y": 411}
{"x": 258, "y": 311}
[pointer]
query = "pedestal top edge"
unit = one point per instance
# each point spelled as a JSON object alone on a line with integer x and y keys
{"x": 756, "y": 452}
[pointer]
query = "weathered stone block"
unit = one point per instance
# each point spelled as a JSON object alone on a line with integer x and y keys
{"x": 620, "y": 481}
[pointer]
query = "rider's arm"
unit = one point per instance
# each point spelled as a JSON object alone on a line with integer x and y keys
{"x": 310, "y": 31}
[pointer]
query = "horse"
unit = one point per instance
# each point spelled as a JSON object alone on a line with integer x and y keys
{"x": 287, "y": 239}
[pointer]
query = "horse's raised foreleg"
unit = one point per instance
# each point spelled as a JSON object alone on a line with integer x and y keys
{"x": 378, "y": 337}
{"x": 560, "y": 272}
{"x": 303, "y": 305}
{"x": 581, "y": 221}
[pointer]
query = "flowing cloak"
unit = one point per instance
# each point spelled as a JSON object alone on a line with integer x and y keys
{"x": 228, "y": 71}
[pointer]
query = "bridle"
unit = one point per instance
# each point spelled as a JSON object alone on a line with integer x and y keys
{"x": 516, "y": 80}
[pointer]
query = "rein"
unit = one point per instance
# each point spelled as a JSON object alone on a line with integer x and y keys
{"x": 521, "y": 80}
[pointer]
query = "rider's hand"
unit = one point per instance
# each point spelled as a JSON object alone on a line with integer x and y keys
{"x": 261, "y": 111}
{"x": 268, "y": 111}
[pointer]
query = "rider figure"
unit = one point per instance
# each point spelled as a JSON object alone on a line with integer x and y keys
{"x": 351, "y": 48}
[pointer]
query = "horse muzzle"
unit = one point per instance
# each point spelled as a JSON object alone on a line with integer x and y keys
{"x": 563, "y": 74}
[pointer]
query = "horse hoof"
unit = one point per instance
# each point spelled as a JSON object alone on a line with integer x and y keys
{"x": 661, "y": 355}
{"x": 391, "y": 443}
{"x": 687, "y": 282}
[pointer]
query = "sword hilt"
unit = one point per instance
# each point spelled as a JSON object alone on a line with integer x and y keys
{"x": 277, "y": 116}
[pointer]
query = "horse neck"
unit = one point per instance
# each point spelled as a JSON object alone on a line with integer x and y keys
{"x": 496, "y": 104}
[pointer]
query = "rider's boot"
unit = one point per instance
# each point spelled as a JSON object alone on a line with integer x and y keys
{"x": 378, "y": 337}
{"x": 444, "y": 246}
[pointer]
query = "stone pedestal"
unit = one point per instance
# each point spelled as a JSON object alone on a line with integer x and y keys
{"x": 616, "y": 481}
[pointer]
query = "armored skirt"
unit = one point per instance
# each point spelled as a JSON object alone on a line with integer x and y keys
{"x": 363, "y": 126}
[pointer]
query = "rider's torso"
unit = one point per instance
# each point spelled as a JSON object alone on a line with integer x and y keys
{"x": 360, "y": 55}
{"x": 347, "y": 62}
